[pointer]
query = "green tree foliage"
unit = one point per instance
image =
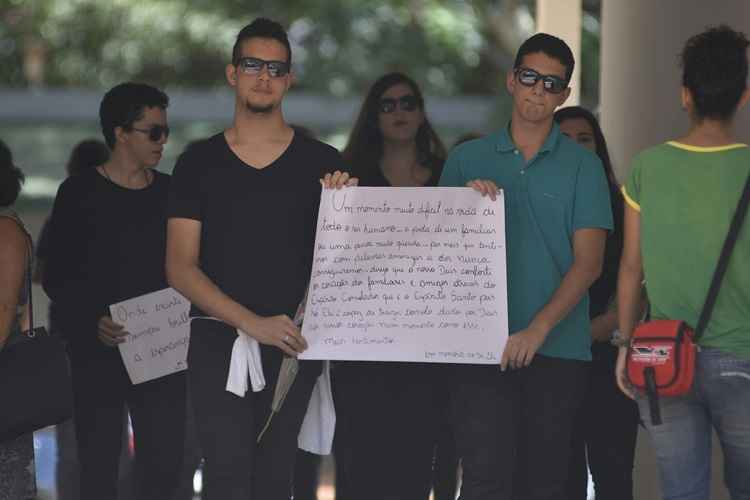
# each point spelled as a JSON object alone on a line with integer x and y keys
{"x": 340, "y": 46}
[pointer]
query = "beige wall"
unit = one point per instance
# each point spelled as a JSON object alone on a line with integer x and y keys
{"x": 640, "y": 75}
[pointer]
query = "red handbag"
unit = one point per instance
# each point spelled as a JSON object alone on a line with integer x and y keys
{"x": 661, "y": 361}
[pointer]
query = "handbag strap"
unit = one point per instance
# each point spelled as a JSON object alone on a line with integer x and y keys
{"x": 721, "y": 266}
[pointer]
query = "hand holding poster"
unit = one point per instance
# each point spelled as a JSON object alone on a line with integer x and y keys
{"x": 408, "y": 274}
{"x": 159, "y": 327}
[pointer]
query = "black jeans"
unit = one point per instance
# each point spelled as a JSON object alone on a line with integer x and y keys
{"x": 605, "y": 431}
{"x": 101, "y": 390}
{"x": 386, "y": 425}
{"x": 513, "y": 428}
{"x": 236, "y": 467}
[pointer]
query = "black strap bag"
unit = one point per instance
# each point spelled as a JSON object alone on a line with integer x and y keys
{"x": 35, "y": 382}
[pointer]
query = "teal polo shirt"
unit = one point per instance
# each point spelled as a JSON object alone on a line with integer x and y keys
{"x": 562, "y": 189}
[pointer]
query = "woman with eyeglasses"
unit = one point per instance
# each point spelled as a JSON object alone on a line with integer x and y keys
{"x": 387, "y": 412}
{"x": 605, "y": 431}
{"x": 107, "y": 243}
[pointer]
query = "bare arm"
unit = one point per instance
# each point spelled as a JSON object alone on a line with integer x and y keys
{"x": 184, "y": 274}
{"x": 13, "y": 255}
{"x": 588, "y": 256}
{"x": 629, "y": 289}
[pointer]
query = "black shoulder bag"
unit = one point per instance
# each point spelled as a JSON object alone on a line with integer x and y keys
{"x": 35, "y": 382}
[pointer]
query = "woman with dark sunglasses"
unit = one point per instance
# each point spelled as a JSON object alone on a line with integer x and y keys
{"x": 106, "y": 243}
{"x": 387, "y": 412}
{"x": 605, "y": 431}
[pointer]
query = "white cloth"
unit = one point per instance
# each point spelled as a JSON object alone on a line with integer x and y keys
{"x": 319, "y": 424}
{"x": 316, "y": 434}
{"x": 245, "y": 363}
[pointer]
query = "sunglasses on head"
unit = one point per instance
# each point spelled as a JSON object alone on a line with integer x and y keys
{"x": 404, "y": 103}
{"x": 154, "y": 133}
{"x": 254, "y": 66}
{"x": 552, "y": 84}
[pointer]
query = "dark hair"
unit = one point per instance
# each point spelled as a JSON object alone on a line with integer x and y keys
{"x": 261, "y": 28}
{"x": 124, "y": 104}
{"x": 364, "y": 149}
{"x": 302, "y": 131}
{"x": 714, "y": 69}
{"x": 602, "y": 152}
{"x": 11, "y": 177}
{"x": 86, "y": 155}
{"x": 554, "y": 47}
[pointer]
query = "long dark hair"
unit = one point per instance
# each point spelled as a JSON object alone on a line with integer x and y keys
{"x": 572, "y": 112}
{"x": 11, "y": 177}
{"x": 603, "y": 289}
{"x": 365, "y": 147}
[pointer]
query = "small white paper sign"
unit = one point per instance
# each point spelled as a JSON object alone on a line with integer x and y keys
{"x": 408, "y": 274}
{"x": 159, "y": 326}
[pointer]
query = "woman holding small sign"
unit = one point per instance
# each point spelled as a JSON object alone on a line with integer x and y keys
{"x": 387, "y": 413}
{"x": 107, "y": 244}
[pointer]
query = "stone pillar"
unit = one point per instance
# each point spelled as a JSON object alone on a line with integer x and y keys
{"x": 640, "y": 106}
{"x": 562, "y": 18}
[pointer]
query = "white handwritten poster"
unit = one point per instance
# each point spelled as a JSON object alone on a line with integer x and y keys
{"x": 159, "y": 327}
{"x": 408, "y": 274}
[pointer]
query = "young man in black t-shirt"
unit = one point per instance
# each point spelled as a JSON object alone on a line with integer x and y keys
{"x": 243, "y": 210}
{"x": 106, "y": 244}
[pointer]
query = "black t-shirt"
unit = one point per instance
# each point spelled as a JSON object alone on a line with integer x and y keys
{"x": 602, "y": 292}
{"x": 374, "y": 177}
{"x": 104, "y": 244}
{"x": 257, "y": 225}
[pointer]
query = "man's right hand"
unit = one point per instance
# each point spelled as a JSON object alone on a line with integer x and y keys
{"x": 279, "y": 331}
{"x": 485, "y": 187}
{"x": 110, "y": 333}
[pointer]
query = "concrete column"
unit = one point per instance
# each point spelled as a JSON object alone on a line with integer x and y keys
{"x": 640, "y": 107}
{"x": 640, "y": 73}
{"x": 562, "y": 18}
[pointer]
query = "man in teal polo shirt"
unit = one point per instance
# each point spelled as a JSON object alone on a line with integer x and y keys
{"x": 513, "y": 422}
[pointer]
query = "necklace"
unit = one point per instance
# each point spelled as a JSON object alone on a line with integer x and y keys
{"x": 148, "y": 179}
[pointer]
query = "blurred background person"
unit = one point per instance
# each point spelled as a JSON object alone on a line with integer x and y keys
{"x": 387, "y": 413}
{"x": 17, "y": 471}
{"x": 609, "y": 454}
{"x": 86, "y": 155}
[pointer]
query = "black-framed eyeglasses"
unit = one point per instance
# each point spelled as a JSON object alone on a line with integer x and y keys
{"x": 404, "y": 103}
{"x": 155, "y": 132}
{"x": 551, "y": 83}
{"x": 254, "y": 66}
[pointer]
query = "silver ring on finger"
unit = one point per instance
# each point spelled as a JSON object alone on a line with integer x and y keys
{"x": 286, "y": 338}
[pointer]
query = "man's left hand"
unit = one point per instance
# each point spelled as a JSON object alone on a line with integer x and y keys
{"x": 521, "y": 347}
{"x": 337, "y": 180}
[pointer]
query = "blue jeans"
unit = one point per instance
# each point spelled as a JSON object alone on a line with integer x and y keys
{"x": 719, "y": 398}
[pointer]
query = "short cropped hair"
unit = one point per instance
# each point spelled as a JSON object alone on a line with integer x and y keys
{"x": 124, "y": 105}
{"x": 714, "y": 69}
{"x": 11, "y": 177}
{"x": 554, "y": 47}
{"x": 261, "y": 28}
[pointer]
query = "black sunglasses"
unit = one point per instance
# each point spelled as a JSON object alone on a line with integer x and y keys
{"x": 405, "y": 103}
{"x": 155, "y": 132}
{"x": 552, "y": 84}
{"x": 254, "y": 66}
